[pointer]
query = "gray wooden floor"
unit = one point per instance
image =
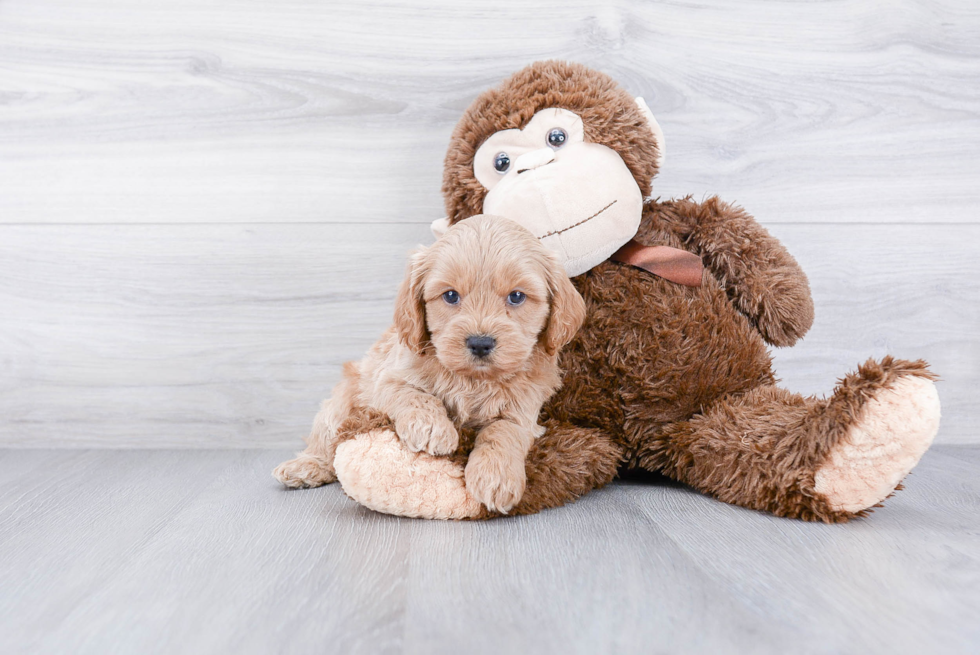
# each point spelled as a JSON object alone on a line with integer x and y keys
{"x": 183, "y": 551}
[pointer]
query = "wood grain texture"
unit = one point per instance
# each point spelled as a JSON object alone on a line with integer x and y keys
{"x": 229, "y": 336}
{"x": 205, "y": 209}
{"x": 117, "y": 111}
{"x": 215, "y": 335}
{"x": 201, "y": 551}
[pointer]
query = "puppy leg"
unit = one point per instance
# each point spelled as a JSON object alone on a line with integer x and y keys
{"x": 421, "y": 420}
{"x": 495, "y": 473}
{"x": 314, "y": 466}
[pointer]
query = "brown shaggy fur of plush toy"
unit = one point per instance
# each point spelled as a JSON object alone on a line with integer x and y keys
{"x": 662, "y": 376}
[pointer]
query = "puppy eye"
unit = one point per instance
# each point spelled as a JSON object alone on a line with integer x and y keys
{"x": 516, "y": 298}
{"x": 557, "y": 137}
{"x": 501, "y": 162}
{"x": 451, "y": 297}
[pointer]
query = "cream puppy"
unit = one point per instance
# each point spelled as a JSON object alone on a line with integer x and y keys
{"x": 479, "y": 321}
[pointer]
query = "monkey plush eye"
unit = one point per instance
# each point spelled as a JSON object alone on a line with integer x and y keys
{"x": 451, "y": 297}
{"x": 557, "y": 137}
{"x": 516, "y": 298}
{"x": 501, "y": 162}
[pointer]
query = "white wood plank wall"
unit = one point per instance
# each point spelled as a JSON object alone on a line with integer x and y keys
{"x": 205, "y": 207}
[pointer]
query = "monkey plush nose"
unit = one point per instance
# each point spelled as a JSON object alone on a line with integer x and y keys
{"x": 481, "y": 346}
{"x": 534, "y": 159}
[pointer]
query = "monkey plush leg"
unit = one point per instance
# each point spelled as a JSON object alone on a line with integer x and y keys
{"x": 815, "y": 459}
{"x": 565, "y": 463}
{"x": 378, "y": 471}
{"x": 762, "y": 279}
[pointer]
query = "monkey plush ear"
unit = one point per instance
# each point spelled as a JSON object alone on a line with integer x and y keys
{"x": 658, "y": 134}
{"x": 439, "y": 226}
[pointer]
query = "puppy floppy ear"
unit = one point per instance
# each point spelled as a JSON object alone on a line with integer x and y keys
{"x": 410, "y": 305}
{"x": 567, "y": 308}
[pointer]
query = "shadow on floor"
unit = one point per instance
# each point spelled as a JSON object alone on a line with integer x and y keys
{"x": 641, "y": 476}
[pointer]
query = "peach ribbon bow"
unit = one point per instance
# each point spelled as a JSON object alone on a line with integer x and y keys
{"x": 669, "y": 263}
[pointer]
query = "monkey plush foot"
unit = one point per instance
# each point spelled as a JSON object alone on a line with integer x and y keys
{"x": 377, "y": 470}
{"x": 891, "y": 432}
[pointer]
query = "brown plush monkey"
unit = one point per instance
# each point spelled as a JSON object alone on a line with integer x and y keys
{"x": 662, "y": 376}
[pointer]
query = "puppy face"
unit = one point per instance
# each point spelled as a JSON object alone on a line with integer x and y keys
{"x": 485, "y": 296}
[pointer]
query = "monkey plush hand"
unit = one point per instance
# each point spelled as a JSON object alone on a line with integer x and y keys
{"x": 667, "y": 377}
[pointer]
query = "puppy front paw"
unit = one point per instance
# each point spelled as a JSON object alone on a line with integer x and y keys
{"x": 431, "y": 431}
{"x": 495, "y": 478}
{"x": 304, "y": 471}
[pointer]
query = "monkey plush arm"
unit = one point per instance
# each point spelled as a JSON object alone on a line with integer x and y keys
{"x": 762, "y": 279}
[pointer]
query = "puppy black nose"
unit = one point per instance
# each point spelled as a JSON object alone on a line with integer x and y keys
{"x": 481, "y": 346}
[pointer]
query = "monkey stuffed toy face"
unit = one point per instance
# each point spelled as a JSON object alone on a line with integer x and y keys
{"x": 572, "y": 190}
{"x": 667, "y": 377}
{"x": 578, "y": 197}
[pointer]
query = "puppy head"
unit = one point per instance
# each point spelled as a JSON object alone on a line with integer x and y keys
{"x": 486, "y": 295}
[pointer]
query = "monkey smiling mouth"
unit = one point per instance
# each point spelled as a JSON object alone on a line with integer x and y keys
{"x": 581, "y": 222}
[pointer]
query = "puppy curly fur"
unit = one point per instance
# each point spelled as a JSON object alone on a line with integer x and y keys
{"x": 423, "y": 378}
